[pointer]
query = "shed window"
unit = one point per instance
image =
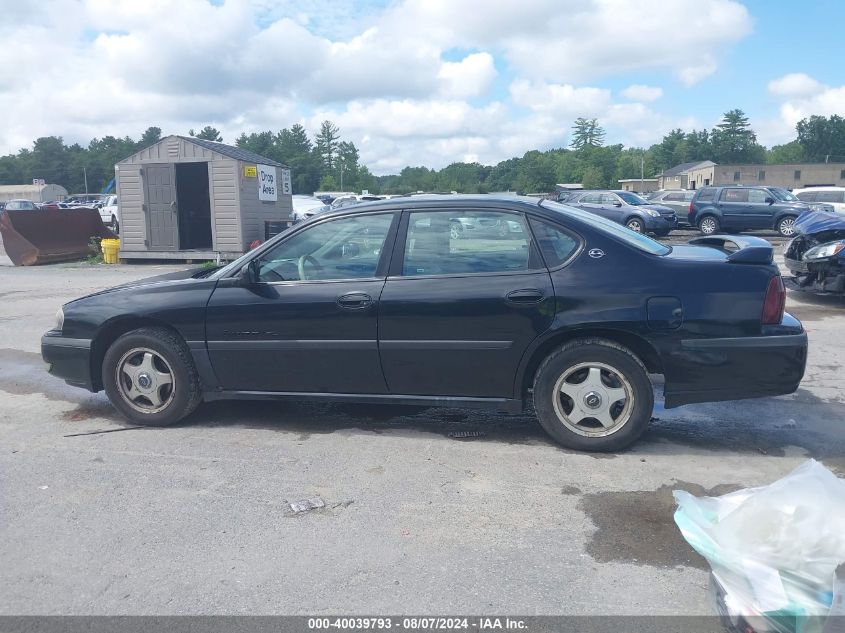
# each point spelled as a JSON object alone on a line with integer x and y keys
{"x": 761, "y": 175}
{"x": 737, "y": 176}
{"x": 797, "y": 174}
{"x": 842, "y": 175}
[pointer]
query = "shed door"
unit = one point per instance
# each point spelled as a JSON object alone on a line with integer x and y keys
{"x": 160, "y": 196}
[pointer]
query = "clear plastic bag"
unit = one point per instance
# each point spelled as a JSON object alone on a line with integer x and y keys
{"x": 773, "y": 550}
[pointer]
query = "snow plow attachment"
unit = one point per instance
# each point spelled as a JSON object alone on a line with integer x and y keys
{"x": 50, "y": 235}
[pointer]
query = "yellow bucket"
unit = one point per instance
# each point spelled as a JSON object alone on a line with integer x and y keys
{"x": 110, "y": 248}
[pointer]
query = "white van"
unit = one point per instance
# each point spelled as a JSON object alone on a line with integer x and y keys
{"x": 834, "y": 196}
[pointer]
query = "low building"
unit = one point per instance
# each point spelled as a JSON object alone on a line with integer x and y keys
{"x": 188, "y": 198}
{"x": 786, "y": 175}
{"x": 35, "y": 193}
{"x": 639, "y": 185}
{"x": 678, "y": 176}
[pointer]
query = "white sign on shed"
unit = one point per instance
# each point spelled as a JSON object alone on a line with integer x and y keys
{"x": 285, "y": 184}
{"x": 267, "y": 186}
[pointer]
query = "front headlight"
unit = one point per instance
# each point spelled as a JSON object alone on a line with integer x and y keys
{"x": 653, "y": 213}
{"x": 60, "y": 319}
{"x": 825, "y": 250}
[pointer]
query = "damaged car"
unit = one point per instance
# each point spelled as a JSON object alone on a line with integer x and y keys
{"x": 816, "y": 255}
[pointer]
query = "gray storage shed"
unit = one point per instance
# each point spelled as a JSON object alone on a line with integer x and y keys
{"x": 188, "y": 198}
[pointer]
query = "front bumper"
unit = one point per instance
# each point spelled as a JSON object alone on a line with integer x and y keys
{"x": 68, "y": 358}
{"x": 717, "y": 369}
{"x": 663, "y": 223}
{"x": 824, "y": 276}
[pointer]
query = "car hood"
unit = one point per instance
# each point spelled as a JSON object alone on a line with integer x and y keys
{"x": 186, "y": 278}
{"x": 660, "y": 208}
{"x": 814, "y": 222}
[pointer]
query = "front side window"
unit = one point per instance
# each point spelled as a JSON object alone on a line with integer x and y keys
{"x": 345, "y": 248}
{"x": 674, "y": 197}
{"x": 632, "y": 198}
{"x": 610, "y": 198}
{"x": 757, "y": 196}
{"x": 808, "y": 196}
{"x": 783, "y": 195}
{"x": 591, "y": 198}
{"x": 465, "y": 242}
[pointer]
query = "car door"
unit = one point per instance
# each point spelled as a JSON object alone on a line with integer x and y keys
{"x": 733, "y": 203}
{"x": 613, "y": 208}
{"x": 761, "y": 209}
{"x": 308, "y": 323}
{"x": 457, "y": 314}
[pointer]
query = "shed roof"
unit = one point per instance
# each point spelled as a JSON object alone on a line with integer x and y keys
{"x": 231, "y": 151}
{"x": 23, "y": 189}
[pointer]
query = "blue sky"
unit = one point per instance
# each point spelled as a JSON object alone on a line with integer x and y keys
{"x": 419, "y": 82}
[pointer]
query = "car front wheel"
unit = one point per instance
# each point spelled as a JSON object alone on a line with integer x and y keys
{"x": 786, "y": 226}
{"x": 149, "y": 376}
{"x": 593, "y": 395}
{"x": 708, "y": 225}
{"x": 636, "y": 225}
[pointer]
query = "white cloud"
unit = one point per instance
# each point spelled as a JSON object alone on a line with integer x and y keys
{"x": 640, "y": 92}
{"x": 470, "y": 77}
{"x": 794, "y": 85}
{"x": 801, "y": 96}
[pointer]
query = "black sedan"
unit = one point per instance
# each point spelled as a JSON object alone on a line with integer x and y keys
{"x": 381, "y": 303}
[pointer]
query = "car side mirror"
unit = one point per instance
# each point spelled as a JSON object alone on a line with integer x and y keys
{"x": 248, "y": 275}
{"x": 770, "y": 200}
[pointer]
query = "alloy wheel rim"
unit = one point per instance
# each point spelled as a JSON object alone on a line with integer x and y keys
{"x": 593, "y": 399}
{"x": 787, "y": 226}
{"x": 145, "y": 380}
{"x": 708, "y": 226}
{"x": 635, "y": 226}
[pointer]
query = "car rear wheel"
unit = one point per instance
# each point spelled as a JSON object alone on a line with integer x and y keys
{"x": 149, "y": 376}
{"x": 593, "y": 395}
{"x": 636, "y": 225}
{"x": 708, "y": 225}
{"x": 786, "y": 226}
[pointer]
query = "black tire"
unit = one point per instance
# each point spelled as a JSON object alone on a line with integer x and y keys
{"x": 185, "y": 393}
{"x": 786, "y": 226}
{"x": 709, "y": 225}
{"x": 661, "y": 233}
{"x": 636, "y": 225}
{"x": 604, "y": 353}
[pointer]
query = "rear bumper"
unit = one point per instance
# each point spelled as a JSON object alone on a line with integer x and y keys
{"x": 68, "y": 358}
{"x": 717, "y": 369}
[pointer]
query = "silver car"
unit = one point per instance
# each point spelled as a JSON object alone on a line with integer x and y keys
{"x": 677, "y": 200}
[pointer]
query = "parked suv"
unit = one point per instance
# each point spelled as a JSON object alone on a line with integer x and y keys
{"x": 627, "y": 208}
{"x": 678, "y": 200}
{"x": 743, "y": 208}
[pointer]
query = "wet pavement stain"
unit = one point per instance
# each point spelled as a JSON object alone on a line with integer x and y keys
{"x": 637, "y": 527}
{"x": 25, "y": 373}
{"x": 570, "y": 490}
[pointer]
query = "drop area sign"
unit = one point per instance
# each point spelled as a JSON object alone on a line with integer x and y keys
{"x": 268, "y": 188}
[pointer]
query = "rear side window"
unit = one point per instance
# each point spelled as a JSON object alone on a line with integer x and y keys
{"x": 735, "y": 195}
{"x": 829, "y": 196}
{"x": 464, "y": 242}
{"x": 706, "y": 195}
{"x": 555, "y": 244}
{"x": 808, "y": 196}
{"x": 674, "y": 197}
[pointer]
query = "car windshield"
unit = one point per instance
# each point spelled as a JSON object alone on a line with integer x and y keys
{"x": 631, "y": 198}
{"x": 637, "y": 240}
{"x": 783, "y": 195}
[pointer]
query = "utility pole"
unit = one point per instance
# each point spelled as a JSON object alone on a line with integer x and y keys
{"x": 85, "y": 176}
{"x": 642, "y": 170}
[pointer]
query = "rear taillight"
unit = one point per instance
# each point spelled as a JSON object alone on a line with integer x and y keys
{"x": 690, "y": 207}
{"x": 774, "y": 302}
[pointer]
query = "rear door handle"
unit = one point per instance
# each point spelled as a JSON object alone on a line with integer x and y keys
{"x": 355, "y": 301}
{"x": 524, "y": 296}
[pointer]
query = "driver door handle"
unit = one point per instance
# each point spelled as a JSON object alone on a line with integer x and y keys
{"x": 355, "y": 301}
{"x": 525, "y": 296}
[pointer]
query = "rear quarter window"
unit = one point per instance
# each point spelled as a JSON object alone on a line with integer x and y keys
{"x": 706, "y": 195}
{"x": 556, "y": 244}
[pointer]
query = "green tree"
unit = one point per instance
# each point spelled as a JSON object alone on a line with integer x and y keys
{"x": 326, "y": 142}
{"x": 327, "y": 183}
{"x": 260, "y": 143}
{"x": 734, "y": 141}
{"x": 821, "y": 138}
{"x": 593, "y": 178}
{"x": 151, "y": 136}
{"x": 208, "y": 133}
{"x": 295, "y": 150}
{"x": 792, "y": 152}
{"x": 587, "y": 133}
